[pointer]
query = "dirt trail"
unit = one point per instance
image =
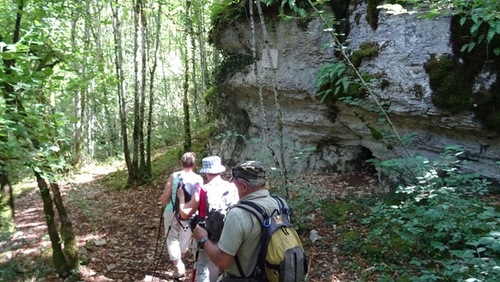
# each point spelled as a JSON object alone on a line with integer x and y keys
{"x": 118, "y": 231}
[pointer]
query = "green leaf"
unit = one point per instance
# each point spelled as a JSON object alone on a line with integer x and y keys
{"x": 491, "y": 34}
{"x": 475, "y": 27}
{"x": 462, "y": 20}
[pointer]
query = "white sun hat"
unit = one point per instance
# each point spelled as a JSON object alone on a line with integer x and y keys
{"x": 212, "y": 165}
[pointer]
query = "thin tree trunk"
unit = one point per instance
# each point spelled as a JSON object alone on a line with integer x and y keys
{"x": 137, "y": 96}
{"x": 121, "y": 87}
{"x": 201, "y": 44}
{"x": 91, "y": 120}
{"x": 79, "y": 109}
{"x": 185, "y": 101}
{"x": 145, "y": 174}
{"x": 151, "y": 83}
{"x": 112, "y": 134}
{"x": 193, "y": 61}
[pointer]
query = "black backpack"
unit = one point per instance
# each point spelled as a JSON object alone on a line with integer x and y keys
{"x": 281, "y": 256}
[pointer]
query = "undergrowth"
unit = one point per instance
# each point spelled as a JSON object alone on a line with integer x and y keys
{"x": 440, "y": 227}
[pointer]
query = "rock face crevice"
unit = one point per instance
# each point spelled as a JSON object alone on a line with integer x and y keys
{"x": 320, "y": 136}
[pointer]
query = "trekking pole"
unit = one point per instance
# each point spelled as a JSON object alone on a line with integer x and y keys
{"x": 197, "y": 254}
{"x": 193, "y": 278}
{"x": 157, "y": 261}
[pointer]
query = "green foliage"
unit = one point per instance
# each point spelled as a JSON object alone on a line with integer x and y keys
{"x": 224, "y": 13}
{"x": 17, "y": 270}
{"x": 303, "y": 205}
{"x": 442, "y": 229}
{"x": 340, "y": 212}
{"x": 334, "y": 81}
{"x": 296, "y": 7}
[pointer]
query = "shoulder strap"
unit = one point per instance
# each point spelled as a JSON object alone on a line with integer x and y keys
{"x": 264, "y": 220}
{"x": 253, "y": 208}
{"x": 175, "y": 185}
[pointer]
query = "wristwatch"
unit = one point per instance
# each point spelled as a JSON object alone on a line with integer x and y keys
{"x": 201, "y": 243}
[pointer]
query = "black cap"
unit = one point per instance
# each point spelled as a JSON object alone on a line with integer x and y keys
{"x": 249, "y": 170}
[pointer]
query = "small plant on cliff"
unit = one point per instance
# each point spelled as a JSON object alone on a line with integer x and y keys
{"x": 332, "y": 81}
{"x": 335, "y": 80}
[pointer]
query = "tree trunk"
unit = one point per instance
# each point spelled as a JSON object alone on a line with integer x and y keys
{"x": 79, "y": 108}
{"x": 194, "y": 83}
{"x": 201, "y": 45}
{"x": 7, "y": 211}
{"x": 67, "y": 232}
{"x": 185, "y": 100}
{"x": 151, "y": 88}
{"x": 58, "y": 258}
{"x": 121, "y": 86}
{"x": 137, "y": 90}
{"x": 111, "y": 124}
{"x": 144, "y": 173}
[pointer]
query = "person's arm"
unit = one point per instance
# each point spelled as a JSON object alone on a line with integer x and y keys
{"x": 189, "y": 208}
{"x": 167, "y": 191}
{"x": 216, "y": 255}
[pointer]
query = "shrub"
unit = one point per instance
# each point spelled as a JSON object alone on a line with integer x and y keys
{"x": 441, "y": 230}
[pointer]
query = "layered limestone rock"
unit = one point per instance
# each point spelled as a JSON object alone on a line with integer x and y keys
{"x": 336, "y": 137}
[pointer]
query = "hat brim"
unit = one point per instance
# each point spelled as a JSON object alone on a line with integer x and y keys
{"x": 214, "y": 170}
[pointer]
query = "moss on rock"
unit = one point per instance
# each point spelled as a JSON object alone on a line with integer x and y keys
{"x": 452, "y": 89}
{"x": 367, "y": 50}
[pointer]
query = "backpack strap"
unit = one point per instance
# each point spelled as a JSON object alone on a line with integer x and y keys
{"x": 177, "y": 179}
{"x": 264, "y": 220}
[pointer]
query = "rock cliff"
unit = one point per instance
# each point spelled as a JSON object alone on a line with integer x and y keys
{"x": 335, "y": 137}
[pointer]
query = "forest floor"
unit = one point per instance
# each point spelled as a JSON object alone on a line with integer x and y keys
{"x": 120, "y": 238}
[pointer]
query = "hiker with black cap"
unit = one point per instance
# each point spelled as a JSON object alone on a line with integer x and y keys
{"x": 212, "y": 201}
{"x": 241, "y": 234}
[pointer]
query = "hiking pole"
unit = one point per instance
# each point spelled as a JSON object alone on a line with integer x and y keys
{"x": 197, "y": 254}
{"x": 193, "y": 278}
{"x": 157, "y": 261}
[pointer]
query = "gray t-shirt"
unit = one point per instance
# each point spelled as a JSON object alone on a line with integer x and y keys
{"x": 242, "y": 231}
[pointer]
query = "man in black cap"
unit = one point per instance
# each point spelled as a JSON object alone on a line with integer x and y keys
{"x": 241, "y": 233}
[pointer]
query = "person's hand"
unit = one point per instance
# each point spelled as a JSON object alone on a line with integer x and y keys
{"x": 199, "y": 232}
{"x": 180, "y": 194}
